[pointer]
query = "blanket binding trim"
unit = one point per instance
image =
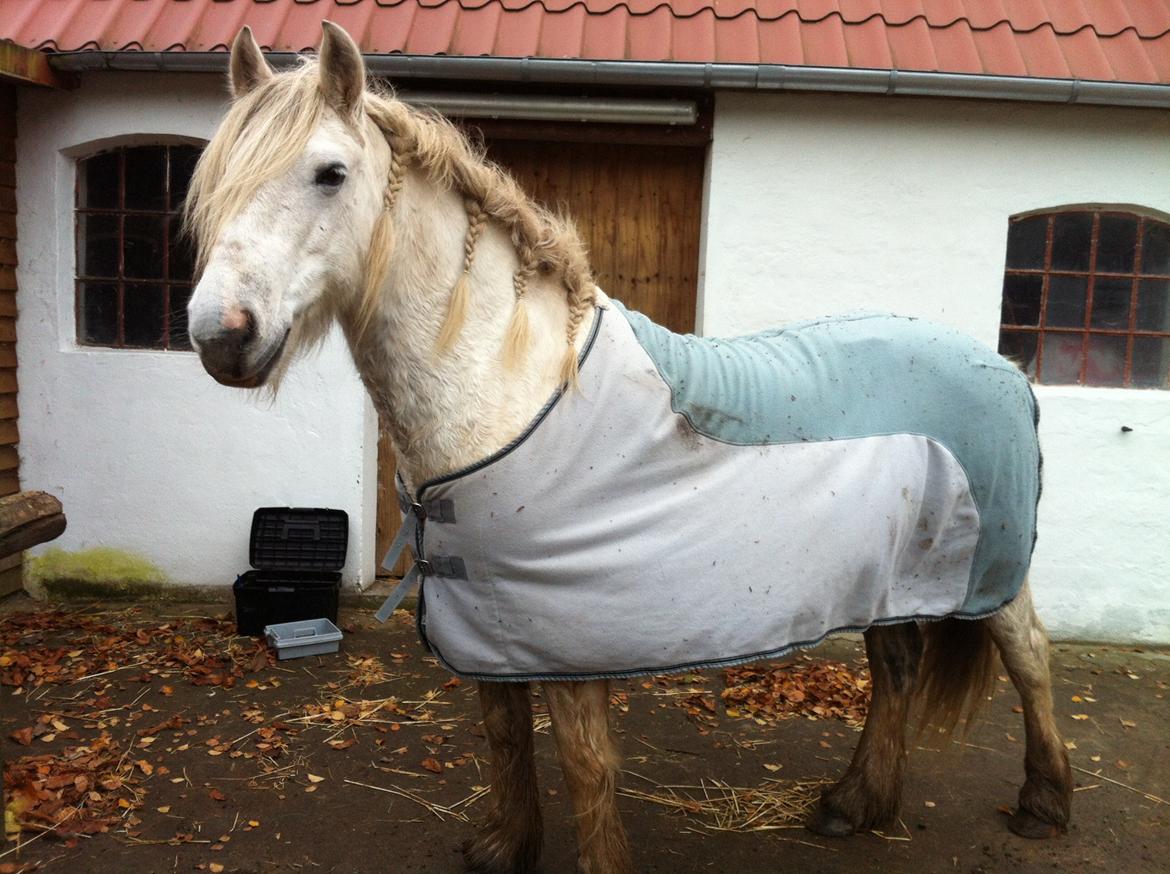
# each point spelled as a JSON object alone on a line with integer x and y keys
{"x": 532, "y": 426}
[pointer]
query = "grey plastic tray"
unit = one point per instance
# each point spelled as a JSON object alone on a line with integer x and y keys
{"x": 308, "y": 637}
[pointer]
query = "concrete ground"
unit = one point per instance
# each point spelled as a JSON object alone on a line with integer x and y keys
{"x": 371, "y": 760}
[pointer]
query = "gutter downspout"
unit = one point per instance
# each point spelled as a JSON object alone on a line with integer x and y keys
{"x": 752, "y": 77}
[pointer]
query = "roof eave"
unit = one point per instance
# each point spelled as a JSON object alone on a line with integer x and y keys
{"x": 757, "y": 77}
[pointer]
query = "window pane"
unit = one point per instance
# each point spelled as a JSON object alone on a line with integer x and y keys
{"x": 1153, "y": 308}
{"x": 1061, "y": 364}
{"x": 1020, "y": 348}
{"x": 179, "y": 297}
{"x": 1151, "y": 362}
{"x": 1066, "y": 301}
{"x": 146, "y": 176}
{"x": 183, "y": 160}
{"x": 98, "y": 186}
{"x": 1116, "y": 242}
{"x": 1111, "y": 298}
{"x": 1021, "y": 299}
{"x": 98, "y": 311}
{"x": 181, "y": 254}
{"x": 1156, "y": 248}
{"x": 1071, "y": 240}
{"x": 144, "y": 315}
{"x": 1026, "y": 240}
{"x": 144, "y": 246}
{"x": 97, "y": 245}
{"x": 1106, "y": 360}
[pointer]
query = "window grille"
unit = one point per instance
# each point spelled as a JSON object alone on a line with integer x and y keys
{"x": 133, "y": 263}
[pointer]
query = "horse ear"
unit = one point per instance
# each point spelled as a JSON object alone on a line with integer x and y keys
{"x": 343, "y": 73}
{"x": 248, "y": 67}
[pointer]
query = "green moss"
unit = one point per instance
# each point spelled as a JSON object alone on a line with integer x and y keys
{"x": 101, "y": 572}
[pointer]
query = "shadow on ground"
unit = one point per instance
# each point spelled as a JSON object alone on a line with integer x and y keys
{"x": 148, "y": 739}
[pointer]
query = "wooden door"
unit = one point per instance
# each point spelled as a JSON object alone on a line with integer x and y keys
{"x": 639, "y": 209}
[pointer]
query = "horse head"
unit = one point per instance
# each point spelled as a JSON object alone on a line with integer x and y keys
{"x": 283, "y": 205}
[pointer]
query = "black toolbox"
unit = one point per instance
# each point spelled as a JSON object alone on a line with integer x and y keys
{"x": 296, "y": 554}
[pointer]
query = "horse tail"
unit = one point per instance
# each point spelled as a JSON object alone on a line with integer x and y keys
{"x": 956, "y": 672}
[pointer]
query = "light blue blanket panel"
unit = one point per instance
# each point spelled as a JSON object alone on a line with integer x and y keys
{"x": 870, "y": 375}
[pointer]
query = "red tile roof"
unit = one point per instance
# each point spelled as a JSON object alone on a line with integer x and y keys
{"x": 1108, "y": 40}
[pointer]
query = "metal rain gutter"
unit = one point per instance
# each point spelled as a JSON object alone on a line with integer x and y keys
{"x": 754, "y": 77}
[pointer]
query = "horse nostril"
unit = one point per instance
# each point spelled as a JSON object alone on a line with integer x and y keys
{"x": 239, "y": 325}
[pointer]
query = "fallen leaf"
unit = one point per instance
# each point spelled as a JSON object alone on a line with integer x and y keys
{"x": 215, "y": 867}
{"x": 313, "y": 778}
{"x": 432, "y": 765}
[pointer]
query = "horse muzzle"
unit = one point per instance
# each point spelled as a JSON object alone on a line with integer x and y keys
{"x": 231, "y": 350}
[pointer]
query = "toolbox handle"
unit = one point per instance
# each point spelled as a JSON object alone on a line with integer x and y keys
{"x": 305, "y": 632}
{"x": 291, "y": 530}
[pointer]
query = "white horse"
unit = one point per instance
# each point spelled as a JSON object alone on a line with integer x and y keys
{"x": 466, "y": 307}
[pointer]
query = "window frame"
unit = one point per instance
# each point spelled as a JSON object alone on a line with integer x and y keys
{"x": 169, "y": 213}
{"x": 1087, "y": 330}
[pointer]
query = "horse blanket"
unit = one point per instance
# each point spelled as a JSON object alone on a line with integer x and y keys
{"x": 704, "y": 502}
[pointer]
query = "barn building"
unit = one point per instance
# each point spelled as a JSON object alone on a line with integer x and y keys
{"x": 1000, "y": 167}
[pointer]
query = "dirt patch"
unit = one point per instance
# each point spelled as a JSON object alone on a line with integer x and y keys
{"x": 153, "y": 739}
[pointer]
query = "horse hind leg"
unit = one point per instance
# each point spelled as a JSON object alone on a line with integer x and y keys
{"x": 1046, "y": 796}
{"x": 510, "y": 839}
{"x": 870, "y": 792}
{"x": 590, "y": 762}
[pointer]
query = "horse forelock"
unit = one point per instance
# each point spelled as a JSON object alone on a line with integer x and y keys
{"x": 260, "y": 137}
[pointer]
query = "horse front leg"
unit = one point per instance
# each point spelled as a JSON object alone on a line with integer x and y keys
{"x": 590, "y": 762}
{"x": 871, "y": 791}
{"x": 510, "y": 840}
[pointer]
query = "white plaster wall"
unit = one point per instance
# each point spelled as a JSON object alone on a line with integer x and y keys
{"x": 825, "y": 203}
{"x": 146, "y": 452}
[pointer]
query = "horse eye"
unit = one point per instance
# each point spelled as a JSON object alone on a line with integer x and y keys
{"x": 331, "y": 176}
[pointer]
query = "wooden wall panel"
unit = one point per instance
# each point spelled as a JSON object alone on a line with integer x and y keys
{"x": 9, "y": 431}
{"x": 639, "y": 209}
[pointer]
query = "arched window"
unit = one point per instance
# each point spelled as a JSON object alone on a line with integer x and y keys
{"x": 133, "y": 264}
{"x": 1086, "y": 298}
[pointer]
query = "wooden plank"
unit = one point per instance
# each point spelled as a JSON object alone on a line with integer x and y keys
{"x": 9, "y": 432}
{"x": 8, "y": 407}
{"x": 8, "y": 382}
{"x": 9, "y": 460}
{"x": 389, "y": 517}
{"x": 8, "y": 225}
{"x": 8, "y": 356}
{"x": 7, "y": 198}
{"x": 8, "y": 304}
{"x": 7, "y": 330}
{"x": 7, "y": 278}
{"x": 8, "y": 562}
{"x": 28, "y": 518}
{"x": 7, "y": 251}
{"x": 8, "y": 173}
{"x": 11, "y": 580}
{"x": 9, "y": 483}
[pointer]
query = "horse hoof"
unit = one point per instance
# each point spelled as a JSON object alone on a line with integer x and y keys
{"x": 829, "y": 824}
{"x": 1028, "y": 825}
{"x": 482, "y": 855}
